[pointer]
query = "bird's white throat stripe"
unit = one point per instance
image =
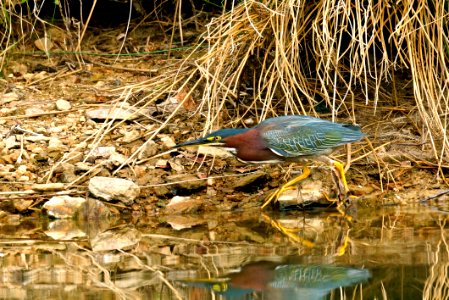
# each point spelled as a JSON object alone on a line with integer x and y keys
{"x": 230, "y": 149}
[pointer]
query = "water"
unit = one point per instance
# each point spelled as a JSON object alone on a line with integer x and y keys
{"x": 376, "y": 253}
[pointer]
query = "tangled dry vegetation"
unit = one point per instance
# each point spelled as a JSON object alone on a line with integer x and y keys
{"x": 380, "y": 65}
{"x": 78, "y": 109}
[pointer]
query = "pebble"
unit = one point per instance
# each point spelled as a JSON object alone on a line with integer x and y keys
{"x": 123, "y": 238}
{"x": 186, "y": 182}
{"x": 112, "y": 113}
{"x": 10, "y": 142}
{"x": 66, "y": 207}
{"x": 109, "y": 188}
{"x": 55, "y": 144}
{"x": 34, "y": 111}
{"x": 22, "y": 205}
{"x": 148, "y": 150}
{"x": 102, "y": 152}
{"x": 47, "y": 186}
{"x": 63, "y": 105}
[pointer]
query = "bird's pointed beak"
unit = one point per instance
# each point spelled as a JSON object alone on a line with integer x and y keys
{"x": 197, "y": 142}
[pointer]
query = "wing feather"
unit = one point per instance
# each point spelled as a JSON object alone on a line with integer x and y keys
{"x": 293, "y": 136}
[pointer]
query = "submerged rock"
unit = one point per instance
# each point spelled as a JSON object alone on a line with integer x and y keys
{"x": 124, "y": 238}
{"x": 66, "y": 207}
{"x": 180, "y": 205}
{"x": 64, "y": 230}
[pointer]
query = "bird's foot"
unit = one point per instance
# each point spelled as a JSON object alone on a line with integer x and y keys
{"x": 273, "y": 197}
{"x": 291, "y": 233}
{"x": 342, "y": 205}
{"x": 341, "y": 250}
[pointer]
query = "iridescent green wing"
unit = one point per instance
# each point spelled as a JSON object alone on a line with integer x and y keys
{"x": 293, "y": 136}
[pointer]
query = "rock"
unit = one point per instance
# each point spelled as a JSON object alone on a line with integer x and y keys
{"x": 124, "y": 238}
{"x": 102, "y": 152}
{"x": 162, "y": 191}
{"x": 9, "y": 219}
{"x": 56, "y": 145}
{"x": 115, "y": 113}
{"x": 246, "y": 180}
{"x": 161, "y": 164}
{"x": 64, "y": 206}
{"x": 23, "y": 178}
{"x": 184, "y": 222}
{"x": 117, "y": 159}
{"x": 62, "y": 104}
{"x": 11, "y": 142}
{"x": 108, "y": 188}
{"x": 43, "y": 44}
{"x": 35, "y": 149}
{"x": 22, "y": 205}
{"x": 36, "y": 138}
{"x": 9, "y": 97}
{"x": 31, "y": 111}
{"x": 180, "y": 205}
{"x": 214, "y": 151}
{"x": 48, "y": 186}
{"x": 167, "y": 140}
{"x": 186, "y": 182}
{"x": 64, "y": 230}
{"x": 129, "y": 136}
{"x": 311, "y": 191}
{"x": 176, "y": 165}
{"x": 68, "y": 207}
{"x": 149, "y": 149}
{"x": 67, "y": 173}
{"x": 83, "y": 166}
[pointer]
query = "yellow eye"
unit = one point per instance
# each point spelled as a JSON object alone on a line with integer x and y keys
{"x": 214, "y": 138}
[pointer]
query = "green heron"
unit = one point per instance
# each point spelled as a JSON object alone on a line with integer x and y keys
{"x": 286, "y": 139}
{"x": 287, "y": 281}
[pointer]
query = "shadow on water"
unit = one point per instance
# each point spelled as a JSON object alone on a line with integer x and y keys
{"x": 388, "y": 253}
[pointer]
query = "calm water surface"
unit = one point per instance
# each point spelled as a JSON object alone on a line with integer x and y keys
{"x": 383, "y": 253}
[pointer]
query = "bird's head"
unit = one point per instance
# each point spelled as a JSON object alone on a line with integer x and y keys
{"x": 216, "y": 138}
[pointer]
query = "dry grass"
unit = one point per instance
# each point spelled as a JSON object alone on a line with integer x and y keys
{"x": 265, "y": 58}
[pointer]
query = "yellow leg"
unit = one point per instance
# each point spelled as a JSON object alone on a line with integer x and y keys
{"x": 290, "y": 233}
{"x": 276, "y": 194}
{"x": 341, "y": 250}
{"x": 340, "y": 172}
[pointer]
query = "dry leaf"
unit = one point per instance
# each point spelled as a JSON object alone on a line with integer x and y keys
{"x": 43, "y": 44}
{"x": 188, "y": 103}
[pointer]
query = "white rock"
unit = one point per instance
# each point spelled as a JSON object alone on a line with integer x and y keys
{"x": 10, "y": 142}
{"x": 102, "y": 152}
{"x": 64, "y": 206}
{"x": 47, "y": 186}
{"x": 30, "y": 111}
{"x": 62, "y": 104}
{"x": 36, "y": 138}
{"x": 55, "y": 144}
{"x": 125, "y": 238}
{"x": 21, "y": 170}
{"x": 167, "y": 140}
{"x": 115, "y": 113}
{"x": 109, "y": 188}
{"x": 64, "y": 230}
